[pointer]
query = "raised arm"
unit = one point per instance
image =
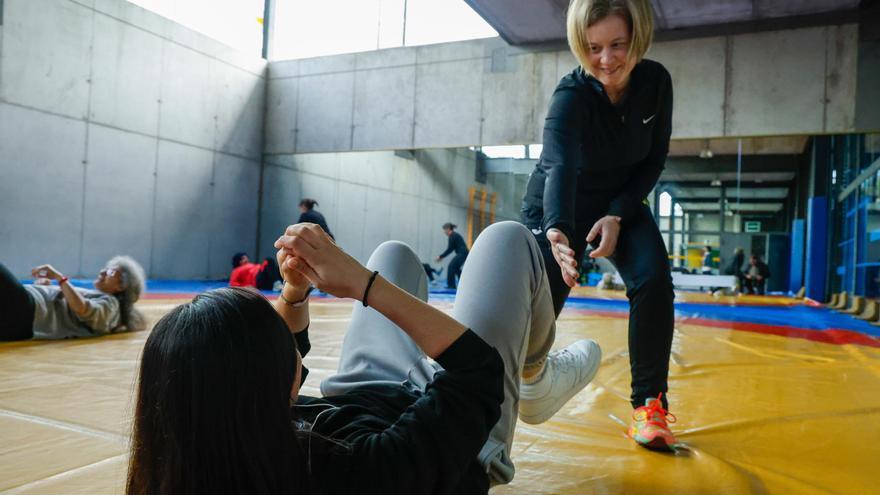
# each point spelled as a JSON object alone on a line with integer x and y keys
{"x": 561, "y": 159}
{"x": 75, "y": 301}
{"x": 450, "y": 247}
{"x": 293, "y": 304}
{"x": 313, "y": 254}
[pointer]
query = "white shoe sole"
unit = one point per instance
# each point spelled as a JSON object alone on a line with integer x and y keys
{"x": 554, "y": 407}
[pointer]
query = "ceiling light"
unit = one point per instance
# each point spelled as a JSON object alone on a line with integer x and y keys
{"x": 706, "y": 153}
{"x": 715, "y": 182}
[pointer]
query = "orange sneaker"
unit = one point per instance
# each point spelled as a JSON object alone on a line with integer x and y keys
{"x": 649, "y": 427}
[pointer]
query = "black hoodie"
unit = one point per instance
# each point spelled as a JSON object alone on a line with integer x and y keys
{"x": 599, "y": 158}
{"x": 396, "y": 440}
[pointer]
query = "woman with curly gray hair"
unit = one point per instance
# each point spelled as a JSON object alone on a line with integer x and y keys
{"x": 48, "y": 312}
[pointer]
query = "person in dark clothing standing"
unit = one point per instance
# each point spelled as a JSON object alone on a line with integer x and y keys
{"x": 458, "y": 246}
{"x": 309, "y": 215}
{"x": 707, "y": 259}
{"x": 606, "y": 137}
{"x": 757, "y": 275}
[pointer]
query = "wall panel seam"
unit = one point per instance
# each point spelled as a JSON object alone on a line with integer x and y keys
{"x": 85, "y": 160}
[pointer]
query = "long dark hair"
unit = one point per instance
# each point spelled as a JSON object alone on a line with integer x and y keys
{"x": 212, "y": 413}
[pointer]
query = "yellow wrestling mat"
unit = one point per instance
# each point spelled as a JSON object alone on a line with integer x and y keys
{"x": 759, "y": 414}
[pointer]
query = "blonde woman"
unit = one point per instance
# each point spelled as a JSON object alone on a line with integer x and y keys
{"x": 606, "y": 138}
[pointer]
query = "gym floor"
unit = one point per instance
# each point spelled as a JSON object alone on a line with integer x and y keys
{"x": 772, "y": 395}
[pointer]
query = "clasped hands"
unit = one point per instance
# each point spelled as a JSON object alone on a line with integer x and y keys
{"x": 607, "y": 228}
{"x": 45, "y": 274}
{"x": 306, "y": 254}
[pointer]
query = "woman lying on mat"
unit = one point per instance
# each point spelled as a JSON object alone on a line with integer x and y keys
{"x": 44, "y": 311}
{"x": 421, "y": 403}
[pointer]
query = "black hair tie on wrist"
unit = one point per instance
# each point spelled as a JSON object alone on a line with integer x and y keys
{"x": 367, "y": 290}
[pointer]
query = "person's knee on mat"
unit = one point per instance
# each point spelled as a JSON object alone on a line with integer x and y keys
{"x": 508, "y": 230}
{"x": 393, "y": 250}
{"x": 509, "y": 235}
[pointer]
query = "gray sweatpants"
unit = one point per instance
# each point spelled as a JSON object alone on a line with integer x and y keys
{"x": 503, "y": 296}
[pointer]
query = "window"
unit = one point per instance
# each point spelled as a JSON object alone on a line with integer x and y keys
{"x": 512, "y": 151}
{"x": 237, "y": 23}
{"x": 313, "y": 28}
{"x": 443, "y": 21}
{"x": 665, "y": 204}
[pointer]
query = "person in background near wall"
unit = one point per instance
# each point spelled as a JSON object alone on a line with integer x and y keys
{"x": 707, "y": 259}
{"x": 456, "y": 244}
{"x": 246, "y": 274}
{"x": 606, "y": 137}
{"x": 309, "y": 215}
{"x": 756, "y": 277}
{"x": 47, "y": 312}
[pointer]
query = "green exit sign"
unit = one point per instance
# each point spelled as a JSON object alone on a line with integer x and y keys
{"x": 753, "y": 226}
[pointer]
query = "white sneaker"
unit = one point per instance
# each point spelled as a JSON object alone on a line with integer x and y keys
{"x": 566, "y": 372}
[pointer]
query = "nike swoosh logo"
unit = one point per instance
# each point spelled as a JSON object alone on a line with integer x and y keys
{"x": 645, "y": 121}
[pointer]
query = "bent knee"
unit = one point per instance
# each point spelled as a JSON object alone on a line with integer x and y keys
{"x": 394, "y": 250}
{"x": 506, "y": 231}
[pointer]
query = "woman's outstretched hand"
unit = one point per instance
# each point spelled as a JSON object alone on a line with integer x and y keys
{"x": 608, "y": 227}
{"x": 309, "y": 251}
{"x": 564, "y": 255}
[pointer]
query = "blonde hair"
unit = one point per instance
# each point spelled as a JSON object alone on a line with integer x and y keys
{"x": 584, "y": 13}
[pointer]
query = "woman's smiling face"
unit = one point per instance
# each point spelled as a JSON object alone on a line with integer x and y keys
{"x": 610, "y": 63}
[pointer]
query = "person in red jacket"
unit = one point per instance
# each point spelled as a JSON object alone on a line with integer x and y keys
{"x": 246, "y": 274}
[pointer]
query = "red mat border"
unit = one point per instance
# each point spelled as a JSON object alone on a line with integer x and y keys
{"x": 836, "y": 336}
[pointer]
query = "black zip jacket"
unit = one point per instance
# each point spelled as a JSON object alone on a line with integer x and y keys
{"x": 395, "y": 440}
{"x": 599, "y": 158}
{"x": 456, "y": 244}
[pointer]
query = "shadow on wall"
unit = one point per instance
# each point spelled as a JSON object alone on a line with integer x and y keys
{"x": 156, "y": 136}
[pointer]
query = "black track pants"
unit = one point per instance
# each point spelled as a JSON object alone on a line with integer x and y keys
{"x": 16, "y": 308}
{"x": 454, "y": 270}
{"x": 643, "y": 263}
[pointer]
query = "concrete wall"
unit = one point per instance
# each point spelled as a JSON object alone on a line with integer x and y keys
{"x": 484, "y": 92}
{"x": 704, "y": 222}
{"x": 868, "y": 107}
{"x": 370, "y": 197}
{"x": 123, "y": 132}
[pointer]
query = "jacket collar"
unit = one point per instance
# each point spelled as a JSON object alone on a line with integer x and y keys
{"x": 636, "y": 81}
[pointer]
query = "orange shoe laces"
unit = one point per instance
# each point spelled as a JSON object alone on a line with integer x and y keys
{"x": 656, "y": 408}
